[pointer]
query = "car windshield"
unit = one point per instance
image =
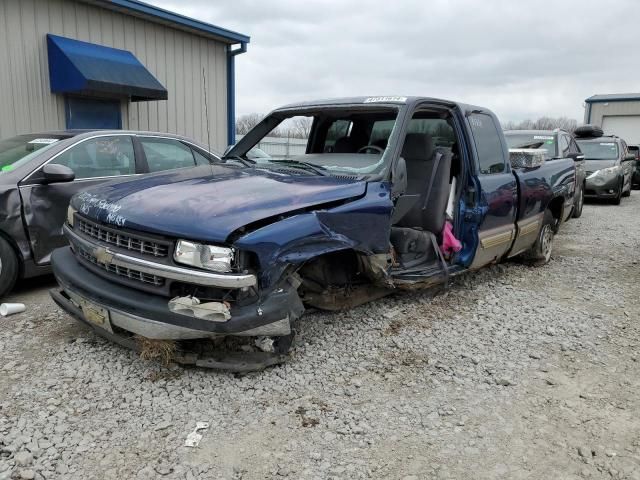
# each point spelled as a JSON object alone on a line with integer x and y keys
{"x": 599, "y": 150}
{"x": 526, "y": 140}
{"x": 329, "y": 140}
{"x": 18, "y": 150}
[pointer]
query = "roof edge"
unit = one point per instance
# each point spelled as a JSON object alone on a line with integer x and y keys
{"x": 631, "y": 97}
{"x": 160, "y": 14}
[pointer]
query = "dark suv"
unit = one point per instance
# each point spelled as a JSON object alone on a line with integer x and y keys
{"x": 635, "y": 149}
{"x": 558, "y": 144}
{"x": 609, "y": 164}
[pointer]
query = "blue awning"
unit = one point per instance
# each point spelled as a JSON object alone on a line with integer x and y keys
{"x": 90, "y": 69}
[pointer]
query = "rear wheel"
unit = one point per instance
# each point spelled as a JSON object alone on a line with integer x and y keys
{"x": 540, "y": 252}
{"x": 8, "y": 267}
{"x": 577, "y": 209}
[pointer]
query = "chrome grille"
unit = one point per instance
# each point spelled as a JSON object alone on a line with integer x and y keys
{"x": 122, "y": 271}
{"x": 119, "y": 239}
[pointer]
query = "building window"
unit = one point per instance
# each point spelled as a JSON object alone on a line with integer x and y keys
{"x": 93, "y": 113}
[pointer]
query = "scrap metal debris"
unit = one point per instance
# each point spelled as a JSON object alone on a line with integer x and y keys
{"x": 193, "y": 439}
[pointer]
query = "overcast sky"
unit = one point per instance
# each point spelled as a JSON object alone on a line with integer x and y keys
{"x": 520, "y": 59}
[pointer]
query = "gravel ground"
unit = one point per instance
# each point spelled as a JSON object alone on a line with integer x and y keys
{"x": 514, "y": 372}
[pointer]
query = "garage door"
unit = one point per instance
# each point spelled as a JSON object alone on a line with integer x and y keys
{"x": 626, "y": 127}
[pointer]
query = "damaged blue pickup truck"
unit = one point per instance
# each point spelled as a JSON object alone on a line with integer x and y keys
{"x": 391, "y": 193}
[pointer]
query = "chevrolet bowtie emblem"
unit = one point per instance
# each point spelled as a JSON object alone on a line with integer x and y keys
{"x": 102, "y": 255}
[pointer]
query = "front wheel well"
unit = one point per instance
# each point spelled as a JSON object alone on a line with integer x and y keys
{"x": 333, "y": 268}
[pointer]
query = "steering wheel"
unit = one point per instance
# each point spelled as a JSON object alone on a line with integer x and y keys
{"x": 371, "y": 147}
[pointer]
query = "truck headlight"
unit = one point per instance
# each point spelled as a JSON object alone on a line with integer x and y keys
{"x": 70, "y": 215}
{"x": 209, "y": 257}
{"x": 606, "y": 172}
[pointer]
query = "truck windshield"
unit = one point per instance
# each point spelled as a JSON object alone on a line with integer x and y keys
{"x": 598, "y": 150}
{"x": 18, "y": 150}
{"x": 522, "y": 140}
{"x": 330, "y": 140}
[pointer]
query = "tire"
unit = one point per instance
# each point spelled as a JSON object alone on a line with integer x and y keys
{"x": 577, "y": 209}
{"x": 8, "y": 267}
{"x": 540, "y": 253}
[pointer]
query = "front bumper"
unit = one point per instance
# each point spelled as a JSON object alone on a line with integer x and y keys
{"x": 595, "y": 188}
{"x": 148, "y": 315}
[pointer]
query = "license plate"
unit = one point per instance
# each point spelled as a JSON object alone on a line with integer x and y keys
{"x": 97, "y": 315}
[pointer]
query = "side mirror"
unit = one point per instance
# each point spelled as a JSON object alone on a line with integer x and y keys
{"x": 54, "y": 173}
{"x": 629, "y": 157}
{"x": 576, "y": 156}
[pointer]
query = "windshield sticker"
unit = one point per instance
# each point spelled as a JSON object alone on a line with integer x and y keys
{"x": 542, "y": 137}
{"x": 385, "y": 99}
{"x": 44, "y": 141}
{"x": 607, "y": 144}
{"x": 6, "y": 168}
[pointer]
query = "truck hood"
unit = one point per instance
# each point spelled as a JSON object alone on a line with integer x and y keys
{"x": 208, "y": 203}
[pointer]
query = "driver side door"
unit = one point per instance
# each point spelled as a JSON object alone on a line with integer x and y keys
{"x": 94, "y": 160}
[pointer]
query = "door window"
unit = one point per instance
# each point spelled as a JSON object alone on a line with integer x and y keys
{"x": 109, "y": 156}
{"x": 488, "y": 145}
{"x": 166, "y": 154}
{"x": 200, "y": 159}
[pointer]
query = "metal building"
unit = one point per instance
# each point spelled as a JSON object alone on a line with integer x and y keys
{"x": 115, "y": 64}
{"x": 617, "y": 114}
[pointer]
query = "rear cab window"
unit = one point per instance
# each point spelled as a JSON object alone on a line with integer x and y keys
{"x": 489, "y": 149}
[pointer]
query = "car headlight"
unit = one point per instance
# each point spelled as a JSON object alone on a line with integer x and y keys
{"x": 606, "y": 172}
{"x": 70, "y": 215}
{"x": 209, "y": 257}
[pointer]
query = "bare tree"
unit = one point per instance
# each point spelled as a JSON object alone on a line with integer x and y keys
{"x": 543, "y": 123}
{"x": 247, "y": 122}
{"x": 300, "y": 127}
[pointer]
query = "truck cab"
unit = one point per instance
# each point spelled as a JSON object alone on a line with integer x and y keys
{"x": 391, "y": 193}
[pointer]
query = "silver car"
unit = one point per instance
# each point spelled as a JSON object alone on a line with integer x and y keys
{"x": 39, "y": 173}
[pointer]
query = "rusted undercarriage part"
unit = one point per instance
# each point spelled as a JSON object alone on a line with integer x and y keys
{"x": 218, "y": 354}
{"x": 344, "y": 298}
{"x": 346, "y": 279}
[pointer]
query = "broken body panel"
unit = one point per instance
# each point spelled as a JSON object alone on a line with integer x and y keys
{"x": 329, "y": 229}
